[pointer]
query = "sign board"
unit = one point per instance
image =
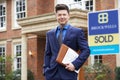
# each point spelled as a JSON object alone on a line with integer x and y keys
{"x": 103, "y": 32}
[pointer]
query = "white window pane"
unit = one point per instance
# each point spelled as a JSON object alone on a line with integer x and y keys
{"x": 20, "y": 8}
{"x": 98, "y": 58}
{"x": 17, "y": 53}
{"x": 79, "y": 4}
{"x": 2, "y": 15}
{"x": 89, "y": 5}
{"x": 2, "y": 62}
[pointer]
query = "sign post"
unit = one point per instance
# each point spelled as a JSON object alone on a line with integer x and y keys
{"x": 103, "y": 32}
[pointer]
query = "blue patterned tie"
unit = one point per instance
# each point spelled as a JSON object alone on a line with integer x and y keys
{"x": 60, "y": 36}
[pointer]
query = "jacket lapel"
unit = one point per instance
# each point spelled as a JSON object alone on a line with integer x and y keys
{"x": 55, "y": 38}
{"x": 67, "y": 34}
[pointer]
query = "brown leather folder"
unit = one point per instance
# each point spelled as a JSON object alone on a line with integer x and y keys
{"x": 61, "y": 54}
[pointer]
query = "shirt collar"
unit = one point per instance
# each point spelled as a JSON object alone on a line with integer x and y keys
{"x": 65, "y": 27}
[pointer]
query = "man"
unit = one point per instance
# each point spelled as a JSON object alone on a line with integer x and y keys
{"x": 72, "y": 37}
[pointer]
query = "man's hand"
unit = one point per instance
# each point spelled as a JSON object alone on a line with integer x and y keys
{"x": 70, "y": 67}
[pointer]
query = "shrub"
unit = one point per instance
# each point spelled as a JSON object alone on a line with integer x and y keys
{"x": 117, "y": 73}
{"x": 12, "y": 75}
{"x": 98, "y": 71}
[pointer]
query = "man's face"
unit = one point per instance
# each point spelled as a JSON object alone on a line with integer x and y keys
{"x": 62, "y": 17}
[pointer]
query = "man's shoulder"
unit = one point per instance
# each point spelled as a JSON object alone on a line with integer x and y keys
{"x": 51, "y": 31}
{"x": 75, "y": 28}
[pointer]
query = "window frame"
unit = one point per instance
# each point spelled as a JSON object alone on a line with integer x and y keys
{"x": 93, "y": 60}
{"x": 79, "y": 4}
{"x": 3, "y": 57}
{"x": 15, "y": 13}
{"x": 3, "y": 28}
{"x": 17, "y": 65}
{"x": 89, "y": 5}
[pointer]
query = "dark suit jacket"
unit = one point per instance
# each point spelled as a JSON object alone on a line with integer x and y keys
{"x": 75, "y": 39}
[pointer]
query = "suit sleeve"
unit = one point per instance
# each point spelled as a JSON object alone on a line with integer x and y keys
{"x": 84, "y": 50}
{"x": 47, "y": 55}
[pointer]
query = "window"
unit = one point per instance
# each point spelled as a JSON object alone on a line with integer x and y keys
{"x": 17, "y": 54}
{"x": 2, "y": 15}
{"x": 20, "y": 11}
{"x": 98, "y": 58}
{"x": 82, "y": 4}
{"x": 76, "y": 4}
{"x": 2, "y": 60}
{"x": 89, "y": 5}
{"x": 77, "y": 0}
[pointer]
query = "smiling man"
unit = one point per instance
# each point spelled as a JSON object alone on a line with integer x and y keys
{"x": 70, "y": 36}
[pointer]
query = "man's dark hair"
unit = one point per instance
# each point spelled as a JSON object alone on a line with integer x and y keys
{"x": 61, "y": 7}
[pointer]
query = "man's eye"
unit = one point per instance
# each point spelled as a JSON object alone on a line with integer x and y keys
{"x": 59, "y": 14}
{"x": 64, "y": 14}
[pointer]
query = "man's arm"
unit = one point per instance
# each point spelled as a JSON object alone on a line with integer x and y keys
{"x": 84, "y": 50}
{"x": 47, "y": 55}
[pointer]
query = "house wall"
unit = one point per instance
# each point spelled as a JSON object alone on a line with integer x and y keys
{"x": 38, "y": 7}
{"x": 104, "y": 4}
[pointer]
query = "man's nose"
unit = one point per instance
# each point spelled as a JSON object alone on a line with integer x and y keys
{"x": 62, "y": 16}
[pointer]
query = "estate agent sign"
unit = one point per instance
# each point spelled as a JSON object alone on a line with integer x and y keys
{"x": 103, "y": 32}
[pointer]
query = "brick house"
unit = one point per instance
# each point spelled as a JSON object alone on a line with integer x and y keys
{"x": 23, "y": 25}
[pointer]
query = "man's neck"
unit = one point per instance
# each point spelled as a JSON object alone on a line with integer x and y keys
{"x": 62, "y": 25}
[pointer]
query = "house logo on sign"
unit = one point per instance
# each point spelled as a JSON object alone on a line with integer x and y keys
{"x": 103, "y": 18}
